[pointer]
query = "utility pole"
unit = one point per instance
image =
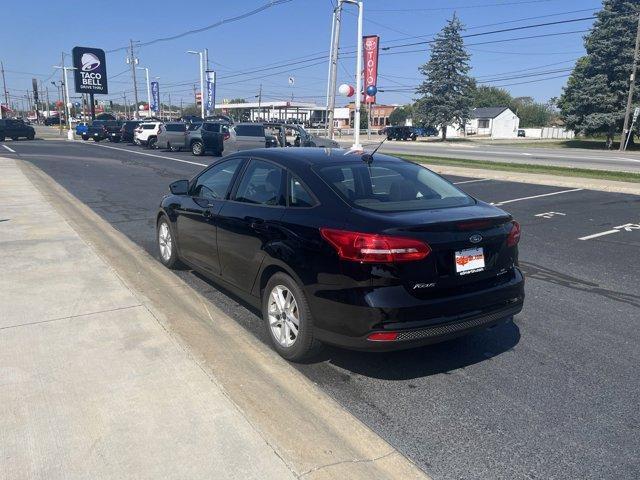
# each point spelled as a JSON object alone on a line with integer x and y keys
{"x": 333, "y": 66}
{"x": 260, "y": 100}
{"x": 170, "y": 111}
{"x": 626, "y": 133}
{"x": 46, "y": 90}
{"x": 133, "y": 61}
{"x": 4, "y": 86}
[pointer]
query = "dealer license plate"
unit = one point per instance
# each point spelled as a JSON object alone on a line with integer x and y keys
{"x": 469, "y": 260}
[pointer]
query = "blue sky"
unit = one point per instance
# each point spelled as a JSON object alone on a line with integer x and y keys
{"x": 35, "y": 33}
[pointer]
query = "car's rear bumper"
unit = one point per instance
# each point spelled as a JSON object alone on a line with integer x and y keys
{"x": 413, "y": 323}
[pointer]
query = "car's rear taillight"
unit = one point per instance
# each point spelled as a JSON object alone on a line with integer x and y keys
{"x": 514, "y": 235}
{"x": 374, "y": 248}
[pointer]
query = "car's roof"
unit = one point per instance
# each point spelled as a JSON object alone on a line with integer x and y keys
{"x": 292, "y": 156}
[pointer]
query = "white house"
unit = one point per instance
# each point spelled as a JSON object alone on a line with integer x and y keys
{"x": 494, "y": 122}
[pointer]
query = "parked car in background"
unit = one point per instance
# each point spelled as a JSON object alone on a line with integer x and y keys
{"x": 102, "y": 130}
{"x": 172, "y": 136}
{"x": 127, "y": 130}
{"x": 147, "y": 134}
{"x": 15, "y": 129}
{"x": 55, "y": 120}
{"x": 82, "y": 128}
{"x": 208, "y": 137}
{"x": 346, "y": 249}
{"x": 400, "y": 133}
{"x": 245, "y": 136}
{"x": 294, "y": 135}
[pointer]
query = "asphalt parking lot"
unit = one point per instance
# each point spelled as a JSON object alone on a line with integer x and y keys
{"x": 553, "y": 395}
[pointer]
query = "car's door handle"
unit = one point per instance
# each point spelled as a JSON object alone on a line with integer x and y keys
{"x": 207, "y": 212}
{"x": 257, "y": 223}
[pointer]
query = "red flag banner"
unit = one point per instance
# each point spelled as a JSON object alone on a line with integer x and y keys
{"x": 371, "y": 43}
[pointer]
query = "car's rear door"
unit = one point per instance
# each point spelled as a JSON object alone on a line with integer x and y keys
{"x": 249, "y": 223}
{"x": 210, "y": 133}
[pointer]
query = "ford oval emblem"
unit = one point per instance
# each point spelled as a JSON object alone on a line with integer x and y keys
{"x": 475, "y": 238}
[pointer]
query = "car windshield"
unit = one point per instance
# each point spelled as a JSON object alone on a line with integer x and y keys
{"x": 389, "y": 186}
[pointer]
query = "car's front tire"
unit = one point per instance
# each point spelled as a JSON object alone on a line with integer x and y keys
{"x": 288, "y": 319}
{"x": 166, "y": 243}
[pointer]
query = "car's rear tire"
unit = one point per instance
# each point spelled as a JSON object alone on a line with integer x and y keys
{"x": 288, "y": 319}
{"x": 15, "y": 139}
{"x": 166, "y": 243}
{"x": 151, "y": 143}
{"x": 85, "y": 138}
{"x": 197, "y": 148}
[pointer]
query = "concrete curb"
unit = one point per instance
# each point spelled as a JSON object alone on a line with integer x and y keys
{"x": 539, "y": 179}
{"x": 315, "y": 436}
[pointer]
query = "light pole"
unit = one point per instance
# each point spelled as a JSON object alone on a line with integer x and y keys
{"x": 193, "y": 52}
{"x": 67, "y": 101}
{"x": 146, "y": 70}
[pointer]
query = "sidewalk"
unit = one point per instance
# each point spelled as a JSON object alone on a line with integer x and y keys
{"x": 112, "y": 367}
{"x": 91, "y": 386}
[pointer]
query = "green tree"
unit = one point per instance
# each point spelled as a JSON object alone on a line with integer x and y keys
{"x": 594, "y": 99}
{"x": 490, "y": 96}
{"x": 400, "y": 115}
{"x": 531, "y": 113}
{"x": 447, "y": 91}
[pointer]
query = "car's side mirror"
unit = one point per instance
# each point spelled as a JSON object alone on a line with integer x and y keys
{"x": 179, "y": 187}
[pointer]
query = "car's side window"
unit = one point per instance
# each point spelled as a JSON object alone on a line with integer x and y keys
{"x": 261, "y": 184}
{"x": 299, "y": 196}
{"x": 215, "y": 182}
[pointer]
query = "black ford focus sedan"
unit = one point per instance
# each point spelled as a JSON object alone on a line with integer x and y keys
{"x": 363, "y": 251}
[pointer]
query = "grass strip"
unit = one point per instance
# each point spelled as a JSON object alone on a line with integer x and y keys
{"x": 527, "y": 168}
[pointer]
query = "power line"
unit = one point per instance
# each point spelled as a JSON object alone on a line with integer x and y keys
{"x": 224, "y": 21}
{"x": 458, "y": 7}
{"x": 522, "y": 27}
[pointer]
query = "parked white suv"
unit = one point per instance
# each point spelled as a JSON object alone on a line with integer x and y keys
{"x": 147, "y": 134}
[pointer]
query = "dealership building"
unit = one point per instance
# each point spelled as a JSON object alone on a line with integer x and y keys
{"x": 304, "y": 112}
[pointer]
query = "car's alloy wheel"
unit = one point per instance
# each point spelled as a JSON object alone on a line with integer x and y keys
{"x": 197, "y": 149}
{"x": 284, "y": 316}
{"x": 288, "y": 319}
{"x": 166, "y": 243}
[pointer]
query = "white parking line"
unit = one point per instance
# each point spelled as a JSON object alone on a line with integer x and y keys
{"x": 472, "y": 181}
{"x": 628, "y": 227}
{"x": 537, "y": 196}
{"x": 10, "y": 149}
{"x": 154, "y": 155}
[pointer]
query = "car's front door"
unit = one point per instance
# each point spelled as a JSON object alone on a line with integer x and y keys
{"x": 249, "y": 223}
{"x": 199, "y": 214}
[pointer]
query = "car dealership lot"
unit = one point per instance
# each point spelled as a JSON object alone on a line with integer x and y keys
{"x": 554, "y": 395}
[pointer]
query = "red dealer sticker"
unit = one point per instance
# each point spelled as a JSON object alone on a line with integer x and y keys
{"x": 470, "y": 260}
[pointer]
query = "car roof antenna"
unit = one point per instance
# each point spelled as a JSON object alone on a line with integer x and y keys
{"x": 368, "y": 157}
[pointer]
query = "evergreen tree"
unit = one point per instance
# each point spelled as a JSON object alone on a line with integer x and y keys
{"x": 447, "y": 91}
{"x": 594, "y": 99}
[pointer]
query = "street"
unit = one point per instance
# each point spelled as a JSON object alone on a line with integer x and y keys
{"x": 562, "y": 157}
{"x": 553, "y": 395}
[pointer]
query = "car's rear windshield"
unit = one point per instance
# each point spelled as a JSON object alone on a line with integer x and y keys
{"x": 389, "y": 186}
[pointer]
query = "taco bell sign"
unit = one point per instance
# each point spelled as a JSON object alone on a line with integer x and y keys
{"x": 90, "y": 72}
